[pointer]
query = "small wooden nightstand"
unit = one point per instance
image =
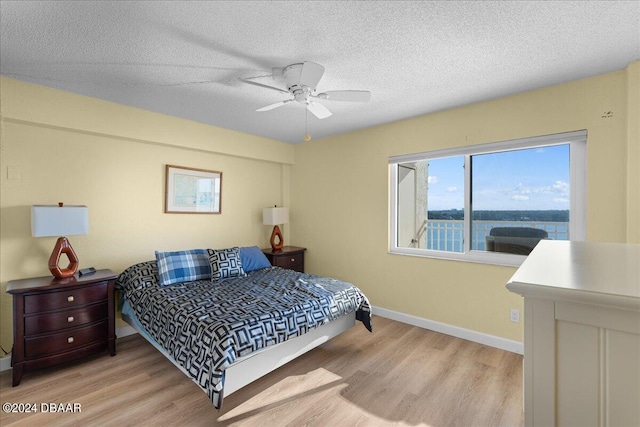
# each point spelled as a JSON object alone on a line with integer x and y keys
{"x": 60, "y": 320}
{"x": 291, "y": 257}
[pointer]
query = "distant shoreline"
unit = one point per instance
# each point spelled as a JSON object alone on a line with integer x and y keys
{"x": 507, "y": 215}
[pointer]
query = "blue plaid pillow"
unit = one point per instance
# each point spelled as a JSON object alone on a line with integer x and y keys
{"x": 225, "y": 263}
{"x": 182, "y": 266}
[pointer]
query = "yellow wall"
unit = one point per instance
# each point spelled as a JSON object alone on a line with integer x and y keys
{"x": 339, "y": 193}
{"x": 57, "y": 146}
{"x": 633, "y": 152}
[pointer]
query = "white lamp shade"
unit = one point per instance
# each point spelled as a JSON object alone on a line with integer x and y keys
{"x": 275, "y": 216}
{"x": 51, "y": 220}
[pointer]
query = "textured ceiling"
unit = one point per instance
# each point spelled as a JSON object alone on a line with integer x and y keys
{"x": 185, "y": 58}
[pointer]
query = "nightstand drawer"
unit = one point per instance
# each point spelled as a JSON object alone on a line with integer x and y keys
{"x": 288, "y": 261}
{"x": 290, "y": 257}
{"x": 42, "y": 323}
{"x": 65, "y": 341}
{"x": 64, "y": 299}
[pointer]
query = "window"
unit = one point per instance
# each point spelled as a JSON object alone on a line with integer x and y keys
{"x": 489, "y": 203}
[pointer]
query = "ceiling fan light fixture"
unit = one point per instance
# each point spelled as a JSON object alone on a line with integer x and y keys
{"x": 301, "y": 80}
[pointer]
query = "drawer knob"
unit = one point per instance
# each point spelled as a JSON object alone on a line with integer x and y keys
{"x": 70, "y": 319}
{"x": 70, "y": 340}
{"x": 70, "y": 298}
{"x": 293, "y": 260}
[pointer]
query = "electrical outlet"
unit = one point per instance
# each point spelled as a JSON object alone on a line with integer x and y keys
{"x": 515, "y": 315}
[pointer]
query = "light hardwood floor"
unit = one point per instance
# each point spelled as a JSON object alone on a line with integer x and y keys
{"x": 398, "y": 375}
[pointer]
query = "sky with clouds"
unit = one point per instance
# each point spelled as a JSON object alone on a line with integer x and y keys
{"x": 532, "y": 179}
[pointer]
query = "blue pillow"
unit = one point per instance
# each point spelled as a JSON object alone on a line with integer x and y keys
{"x": 253, "y": 258}
{"x": 225, "y": 263}
{"x": 183, "y": 266}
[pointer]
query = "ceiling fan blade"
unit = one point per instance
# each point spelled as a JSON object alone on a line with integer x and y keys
{"x": 346, "y": 95}
{"x": 265, "y": 86}
{"x": 318, "y": 110}
{"x": 311, "y": 74}
{"x": 276, "y": 105}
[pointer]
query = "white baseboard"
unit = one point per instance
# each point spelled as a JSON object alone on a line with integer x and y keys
{"x": 125, "y": 330}
{"x": 122, "y": 331}
{"x": 466, "y": 334}
{"x": 5, "y": 363}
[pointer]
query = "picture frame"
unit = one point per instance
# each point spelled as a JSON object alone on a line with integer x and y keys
{"x": 191, "y": 190}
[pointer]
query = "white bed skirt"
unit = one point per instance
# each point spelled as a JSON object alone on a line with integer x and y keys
{"x": 253, "y": 366}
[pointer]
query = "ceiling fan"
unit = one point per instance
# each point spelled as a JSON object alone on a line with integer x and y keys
{"x": 301, "y": 80}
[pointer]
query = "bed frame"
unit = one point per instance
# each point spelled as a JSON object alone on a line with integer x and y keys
{"x": 253, "y": 366}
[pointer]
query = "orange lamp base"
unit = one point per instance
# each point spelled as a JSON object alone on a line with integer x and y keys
{"x": 63, "y": 247}
{"x": 276, "y": 233}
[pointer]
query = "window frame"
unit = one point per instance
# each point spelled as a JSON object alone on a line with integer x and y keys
{"x": 577, "y": 206}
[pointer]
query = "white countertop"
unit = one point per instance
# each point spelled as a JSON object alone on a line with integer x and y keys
{"x": 590, "y": 272}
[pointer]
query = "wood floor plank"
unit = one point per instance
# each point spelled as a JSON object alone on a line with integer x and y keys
{"x": 400, "y": 375}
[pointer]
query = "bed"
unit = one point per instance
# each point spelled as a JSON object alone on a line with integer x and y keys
{"x": 224, "y": 326}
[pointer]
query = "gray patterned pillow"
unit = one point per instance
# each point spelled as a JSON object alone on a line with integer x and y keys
{"x": 225, "y": 263}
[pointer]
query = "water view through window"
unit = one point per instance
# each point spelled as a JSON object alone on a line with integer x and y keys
{"x": 517, "y": 197}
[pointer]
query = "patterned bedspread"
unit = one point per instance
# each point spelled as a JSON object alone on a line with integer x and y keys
{"x": 206, "y": 326}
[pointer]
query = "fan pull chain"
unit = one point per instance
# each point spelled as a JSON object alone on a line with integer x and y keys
{"x": 307, "y": 137}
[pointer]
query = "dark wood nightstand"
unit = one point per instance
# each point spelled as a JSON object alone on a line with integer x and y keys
{"x": 60, "y": 320}
{"x": 291, "y": 257}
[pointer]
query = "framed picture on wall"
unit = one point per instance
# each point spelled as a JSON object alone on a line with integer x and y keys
{"x": 190, "y": 190}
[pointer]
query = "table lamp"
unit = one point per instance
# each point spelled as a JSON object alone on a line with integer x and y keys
{"x": 50, "y": 221}
{"x": 275, "y": 216}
